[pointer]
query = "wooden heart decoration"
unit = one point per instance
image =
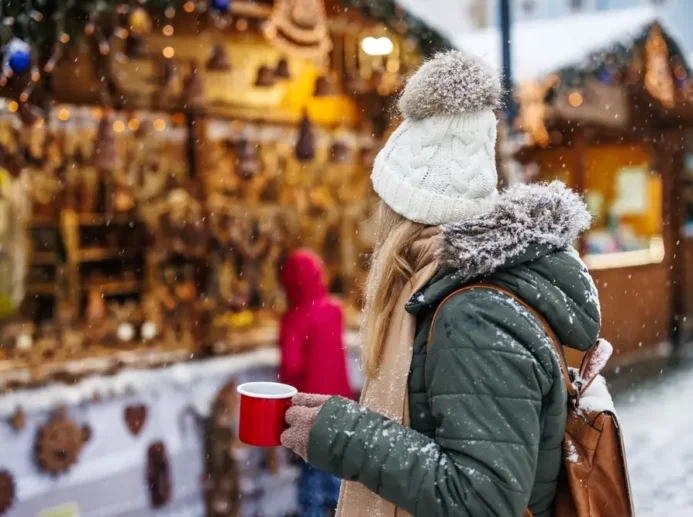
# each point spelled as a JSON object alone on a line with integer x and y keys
{"x": 135, "y": 418}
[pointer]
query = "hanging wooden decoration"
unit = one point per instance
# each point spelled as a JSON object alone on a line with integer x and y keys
{"x": 221, "y": 483}
{"x": 7, "y": 491}
{"x": 265, "y": 77}
{"x": 194, "y": 95}
{"x": 305, "y": 145}
{"x": 323, "y": 87}
{"x": 158, "y": 475}
{"x": 282, "y": 70}
{"x": 135, "y": 418}
{"x": 659, "y": 81}
{"x": 58, "y": 444}
{"x": 106, "y": 150}
{"x": 248, "y": 163}
{"x": 18, "y": 420}
{"x": 299, "y": 27}
{"x": 136, "y": 47}
{"x": 218, "y": 60}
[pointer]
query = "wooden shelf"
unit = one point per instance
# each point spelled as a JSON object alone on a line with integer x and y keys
{"x": 104, "y": 220}
{"x": 41, "y": 289}
{"x": 42, "y": 222}
{"x": 115, "y": 287}
{"x": 99, "y": 254}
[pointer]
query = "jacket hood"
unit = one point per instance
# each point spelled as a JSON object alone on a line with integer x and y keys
{"x": 548, "y": 216}
{"x": 303, "y": 278}
{"x": 523, "y": 243}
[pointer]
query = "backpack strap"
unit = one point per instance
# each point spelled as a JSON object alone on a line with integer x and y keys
{"x": 572, "y": 390}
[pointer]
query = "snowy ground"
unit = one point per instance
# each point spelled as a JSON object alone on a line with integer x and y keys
{"x": 657, "y": 418}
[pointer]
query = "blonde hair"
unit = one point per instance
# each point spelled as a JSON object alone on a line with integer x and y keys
{"x": 390, "y": 270}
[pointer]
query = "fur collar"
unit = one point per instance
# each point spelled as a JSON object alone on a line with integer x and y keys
{"x": 549, "y": 215}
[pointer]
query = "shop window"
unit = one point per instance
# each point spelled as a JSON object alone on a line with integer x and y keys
{"x": 624, "y": 195}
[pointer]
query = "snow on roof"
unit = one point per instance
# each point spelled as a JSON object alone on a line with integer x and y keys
{"x": 543, "y": 46}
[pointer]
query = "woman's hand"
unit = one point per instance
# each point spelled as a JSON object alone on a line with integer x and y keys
{"x": 300, "y": 418}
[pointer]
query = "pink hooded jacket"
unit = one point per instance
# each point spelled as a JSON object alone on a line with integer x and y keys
{"x": 311, "y": 335}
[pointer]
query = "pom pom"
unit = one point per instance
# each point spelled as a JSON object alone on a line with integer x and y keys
{"x": 452, "y": 83}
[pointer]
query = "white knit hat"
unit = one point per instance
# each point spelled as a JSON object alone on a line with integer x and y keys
{"x": 439, "y": 165}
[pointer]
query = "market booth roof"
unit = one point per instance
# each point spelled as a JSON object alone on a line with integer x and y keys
{"x": 542, "y": 46}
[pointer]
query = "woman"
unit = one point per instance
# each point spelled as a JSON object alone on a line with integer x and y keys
{"x": 469, "y": 422}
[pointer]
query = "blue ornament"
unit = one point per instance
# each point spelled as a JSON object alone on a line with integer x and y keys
{"x": 605, "y": 76}
{"x": 221, "y": 5}
{"x": 17, "y": 56}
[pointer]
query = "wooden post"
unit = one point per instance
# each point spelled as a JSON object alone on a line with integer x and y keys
{"x": 578, "y": 150}
{"x": 670, "y": 162}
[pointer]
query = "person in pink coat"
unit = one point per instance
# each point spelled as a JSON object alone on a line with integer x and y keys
{"x": 313, "y": 360}
{"x": 312, "y": 329}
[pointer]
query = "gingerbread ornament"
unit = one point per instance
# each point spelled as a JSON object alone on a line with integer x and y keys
{"x": 135, "y": 418}
{"x": 7, "y": 491}
{"x": 18, "y": 420}
{"x": 158, "y": 475}
{"x": 58, "y": 444}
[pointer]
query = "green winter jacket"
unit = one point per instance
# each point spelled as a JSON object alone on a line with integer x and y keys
{"x": 487, "y": 402}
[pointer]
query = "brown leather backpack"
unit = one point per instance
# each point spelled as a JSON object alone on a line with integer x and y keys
{"x": 594, "y": 478}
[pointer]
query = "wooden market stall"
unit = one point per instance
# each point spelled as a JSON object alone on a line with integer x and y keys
{"x": 158, "y": 160}
{"x": 613, "y": 127}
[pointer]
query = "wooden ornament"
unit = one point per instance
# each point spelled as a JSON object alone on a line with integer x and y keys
{"x": 323, "y": 87}
{"x": 18, "y": 420}
{"x": 248, "y": 163}
{"x": 305, "y": 145}
{"x": 7, "y": 491}
{"x": 158, "y": 475}
{"x": 282, "y": 69}
{"x": 58, "y": 444}
{"x": 135, "y": 418}
{"x": 194, "y": 94}
{"x": 265, "y": 77}
{"x": 136, "y": 47}
{"x": 106, "y": 150}
{"x": 219, "y": 60}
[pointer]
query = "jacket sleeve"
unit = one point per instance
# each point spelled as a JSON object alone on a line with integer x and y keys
{"x": 485, "y": 385}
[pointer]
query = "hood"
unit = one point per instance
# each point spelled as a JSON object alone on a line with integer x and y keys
{"x": 303, "y": 279}
{"x": 524, "y": 245}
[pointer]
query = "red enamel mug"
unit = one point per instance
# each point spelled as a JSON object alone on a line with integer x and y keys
{"x": 263, "y": 406}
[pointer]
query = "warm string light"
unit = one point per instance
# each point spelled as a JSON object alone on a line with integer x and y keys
{"x": 168, "y": 52}
{"x": 170, "y": 12}
{"x": 133, "y": 124}
{"x": 159, "y": 124}
{"x": 122, "y": 33}
{"x": 168, "y": 30}
{"x": 64, "y": 38}
{"x": 118, "y": 126}
{"x": 64, "y": 115}
{"x": 35, "y": 74}
{"x": 189, "y": 7}
{"x": 13, "y": 106}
